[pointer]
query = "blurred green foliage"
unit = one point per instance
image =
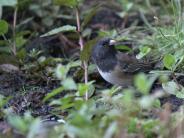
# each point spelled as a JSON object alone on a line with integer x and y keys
{"x": 109, "y": 112}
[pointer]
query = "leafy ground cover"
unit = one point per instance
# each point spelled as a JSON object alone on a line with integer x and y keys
{"x": 49, "y": 87}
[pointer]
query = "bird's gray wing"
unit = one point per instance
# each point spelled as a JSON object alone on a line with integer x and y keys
{"x": 130, "y": 64}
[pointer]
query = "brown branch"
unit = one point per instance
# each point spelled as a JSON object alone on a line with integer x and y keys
{"x": 66, "y": 41}
{"x": 81, "y": 43}
{"x": 14, "y": 31}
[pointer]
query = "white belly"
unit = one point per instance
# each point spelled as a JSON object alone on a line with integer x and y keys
{"x": 115, "y": 78}
{"x": 109, "y": 77}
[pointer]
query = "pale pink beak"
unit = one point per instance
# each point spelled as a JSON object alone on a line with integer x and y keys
{"x": 112, "y": 42}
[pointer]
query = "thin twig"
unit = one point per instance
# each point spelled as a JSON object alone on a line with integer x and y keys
{"x": 81, "y": 43}
{"x": 14, "y": 31}
{"x": 66, "y": 41}
{"x": 6, "y": 39}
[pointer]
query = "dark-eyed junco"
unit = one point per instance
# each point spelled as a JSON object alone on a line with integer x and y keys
{"x": 116, "y": 67}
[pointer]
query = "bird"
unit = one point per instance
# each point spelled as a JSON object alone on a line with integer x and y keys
{"x": 117, "y": 68}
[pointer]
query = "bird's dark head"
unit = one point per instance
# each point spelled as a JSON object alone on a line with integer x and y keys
{"x": 104, "y": 48}
{"x": 104, "y": 53}
{"x": 106, "y": 42}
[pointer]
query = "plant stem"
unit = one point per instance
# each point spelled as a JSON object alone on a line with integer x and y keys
{"x": 14, "y": 31}
{"x": 81, "y": 43}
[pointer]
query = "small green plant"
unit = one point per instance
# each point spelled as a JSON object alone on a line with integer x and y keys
{"x": 79, "y": 29}
{"x": 13, "y": 38}
{"x": 3, "y": 101}
{"x": 26, "y": 124}
{"x": 168, "y": 42}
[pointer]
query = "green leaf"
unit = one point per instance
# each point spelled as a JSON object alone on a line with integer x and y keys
{"x": 148, "y": 127}
{"x": 18, "y": 123}
{"x": 169, "y": 61}
{"x": 146, "y": 102}
{"x": 157, "y": 103}
{"x": 67, "y": 99}
{"x": 53, "y": 93}
{"x": 5, "y": 50}
{"x": 129, "y": 6}
{"x": 142, "y": 83}
{"x": 89, "y": 15}
{"x": 110, "y": 131}
{"x": 67, "y": 102}
{"x": 132, "y": 126}
{"x": 69, "y": 84}
{"x": 73, "y": 64}
{"x": 86, "y": 52}
{"x": 180, "y": 95}
{"x": 21, "y": 54}
{"x": 66, "y": 106}
{"x": 127, "y": 97}
{"x": 61, "y": 71}
{"x": 83, "y": 88}
{"x": 66, "y": 28}
{"x": 68, "y": 3}
{"x": 171, "y": 87}
{"x": 123, "y": 47}
{"x": 20, "y": 41}
{"x": 3, "y": 27}
{"x": 3, "y": 100}
{"x": 143, "y": 52}
{"x": 8, "y": 2}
